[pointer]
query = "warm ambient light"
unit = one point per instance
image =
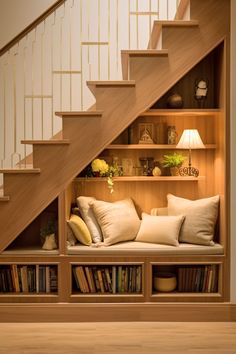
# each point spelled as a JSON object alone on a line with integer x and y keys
{"x": 190, "y": 139}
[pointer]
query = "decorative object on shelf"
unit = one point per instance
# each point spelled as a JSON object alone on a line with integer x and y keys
{"x": 201, "y": 88}
{"x": 175, "y": 101}
{"x": 127, "y": 167}
{"x": 147, "y": 165}
{"x": 130, "y": 134}
{"x": 47, "y": 233}
{"x": 146, "y": 133}
{"x": 171, "y": 135}
{"x": 156, "y": 171}
{"x": 165, "y": 282}
{"x": 173, "y": 162}
{"x": 190, "y": 139}
{"x": 50, "y": 243}
{"x": 101, "y": 169}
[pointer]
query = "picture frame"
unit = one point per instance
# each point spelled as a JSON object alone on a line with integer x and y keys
{"x": 146, "y": 133}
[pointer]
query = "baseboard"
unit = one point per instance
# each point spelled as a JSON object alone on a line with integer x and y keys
{"x": 183, "y": 312}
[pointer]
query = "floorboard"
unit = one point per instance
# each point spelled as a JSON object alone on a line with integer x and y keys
{"x": 117, "y": 338}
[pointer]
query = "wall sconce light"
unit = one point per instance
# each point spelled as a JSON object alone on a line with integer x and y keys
{"x": 190, "y": 139}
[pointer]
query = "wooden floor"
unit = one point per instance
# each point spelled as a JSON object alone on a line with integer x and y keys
{"x": 107, "y": 338}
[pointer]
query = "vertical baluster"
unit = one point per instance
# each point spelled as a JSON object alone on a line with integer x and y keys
{"x": 70, "y": 54}
{"x": 109, "y": 38}
{"x": 117, "y": 34}
{"x": 15, "y": 153}
{"x": 52, "y": 77}
{"x": 99, "y": 35}
{"x": 42, "y": 79}
{"x": 24, "y": 93}
{"x": 81, "y": 56}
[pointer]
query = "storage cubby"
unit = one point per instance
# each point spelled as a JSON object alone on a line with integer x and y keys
{"x": 32, "y": 238}
{"x": 28, "y": 279}
{"x": 185, "y": 278}
{"x": 104, "y": 279}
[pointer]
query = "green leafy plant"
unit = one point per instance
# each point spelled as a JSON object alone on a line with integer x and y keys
{"x": 173, "y": 160}
{"x": 48, "y": 229}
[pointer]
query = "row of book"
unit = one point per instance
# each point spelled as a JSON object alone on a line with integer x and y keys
{"x": 28, "y": 278}
{"x": 108, "y": 279}
{"x": 201, "y": 278}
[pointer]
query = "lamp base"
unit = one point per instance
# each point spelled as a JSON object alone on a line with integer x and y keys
{"x": 189, "y": 171}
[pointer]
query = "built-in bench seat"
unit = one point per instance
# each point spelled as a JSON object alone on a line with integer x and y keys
{"x": 142, "y": 248}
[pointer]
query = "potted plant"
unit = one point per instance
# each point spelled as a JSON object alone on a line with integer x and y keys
{"x": 47, "y": 234}
{"x": 173, "y": 162}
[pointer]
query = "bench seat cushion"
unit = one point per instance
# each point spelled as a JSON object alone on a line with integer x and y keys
{"x": 142, "y": 248}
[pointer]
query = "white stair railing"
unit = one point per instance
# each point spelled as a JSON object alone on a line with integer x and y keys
{"x": 47, "y": 70}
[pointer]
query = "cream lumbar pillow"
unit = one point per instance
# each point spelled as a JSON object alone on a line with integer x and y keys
{"x": 200, "y": 218}
{"x": 160, "y": 229}
{"x": 89, "y": 218}
{"x": 118, "y": 221}
{"x": 80, "y": 230}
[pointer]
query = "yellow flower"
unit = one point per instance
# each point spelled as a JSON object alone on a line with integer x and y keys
{"x": 100, "y": 166}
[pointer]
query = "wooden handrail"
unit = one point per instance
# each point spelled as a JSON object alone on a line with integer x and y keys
{"x": 31, "y": 26}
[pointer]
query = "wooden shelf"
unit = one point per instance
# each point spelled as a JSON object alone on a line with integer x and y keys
{"x": 29, "y": 251}
{"x": 181, "y": 112}
{"x": 141, "y": 179}
{"x": 150, "y": 147}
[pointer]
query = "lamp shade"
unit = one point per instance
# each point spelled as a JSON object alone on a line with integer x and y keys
{"x": 190, "y": 139}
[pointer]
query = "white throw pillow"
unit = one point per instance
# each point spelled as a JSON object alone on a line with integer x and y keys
{"x": 160, "y": 229}
{"x": 89, "y": 217}
{"x": 118, "y": 221}
{"x": 200, "y": 218}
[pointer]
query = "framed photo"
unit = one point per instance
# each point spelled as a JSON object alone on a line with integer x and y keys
{"x": 127, "y": 167}
{"x": 145, "y": 133}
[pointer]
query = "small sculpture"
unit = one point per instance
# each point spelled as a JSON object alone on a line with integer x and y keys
{"x": 146, "y": 137}
{"x": 201, "y": 89}
{"x": 175, "y": 101}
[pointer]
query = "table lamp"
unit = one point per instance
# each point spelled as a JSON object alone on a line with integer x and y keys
{"x": 190, "y": 139}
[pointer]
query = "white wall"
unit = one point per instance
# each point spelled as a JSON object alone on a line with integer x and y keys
{"x": 233, "y": 151}
{"x": 15, "y": 15}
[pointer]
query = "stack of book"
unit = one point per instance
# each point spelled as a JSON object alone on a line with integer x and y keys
{"x": 28, "y": 278}
{"x": 108, "y": 279}
{"x": 199, "y": 278}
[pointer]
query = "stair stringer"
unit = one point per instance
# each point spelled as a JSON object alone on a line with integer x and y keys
{"x": 121, "y": 105}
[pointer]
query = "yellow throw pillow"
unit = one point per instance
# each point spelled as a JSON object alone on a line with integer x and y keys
{"x": 80, "y": 230}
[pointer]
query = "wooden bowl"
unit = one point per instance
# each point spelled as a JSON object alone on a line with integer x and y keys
{"x": 165, "y": 282}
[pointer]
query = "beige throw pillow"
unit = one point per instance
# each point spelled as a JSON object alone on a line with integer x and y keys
{"x": 118, "y": 221}
{"x": 87, "y": 214}
{"x": 160, "y": 229}
{"x": 200, "y": 218}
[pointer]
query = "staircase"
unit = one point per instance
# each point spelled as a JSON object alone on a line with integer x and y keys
{"x": 174, "y": 48}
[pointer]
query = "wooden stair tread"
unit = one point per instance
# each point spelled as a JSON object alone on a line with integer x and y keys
{"x": 4, "y": 198}
{"x": 121, "y": 83}
{"x": 46, "y": 142}
{"x": 79, "y": 114}
{"x": 19, "y": 170}
{"x": 145, "y": 53}
{"x": 158, "y": 25}
{"x": 177, "y": 23}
